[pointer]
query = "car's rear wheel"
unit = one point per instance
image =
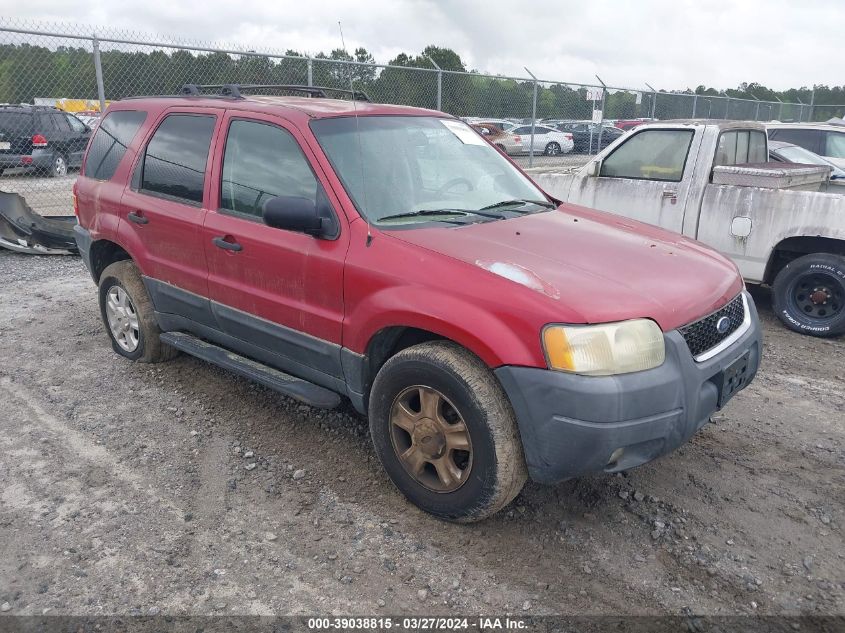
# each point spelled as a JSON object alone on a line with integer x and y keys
{"x": 552, "y": 149}
{"x": 128, "y": 315}
{"x": 445, "y": 432}
{"x": 58, "y": 167}
{"x": 808, "y": 295}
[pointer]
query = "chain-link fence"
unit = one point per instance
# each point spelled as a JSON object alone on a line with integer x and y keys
{"x": 56, "y": 69}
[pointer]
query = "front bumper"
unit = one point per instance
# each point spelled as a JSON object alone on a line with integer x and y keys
{"x": 571, "y": 425}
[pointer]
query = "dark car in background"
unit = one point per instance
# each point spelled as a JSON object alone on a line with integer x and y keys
{"x": 585, "y": 135}
{"x": 41, "y": 140}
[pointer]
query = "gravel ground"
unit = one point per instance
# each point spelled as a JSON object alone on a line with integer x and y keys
{"x": 181, "y": 489}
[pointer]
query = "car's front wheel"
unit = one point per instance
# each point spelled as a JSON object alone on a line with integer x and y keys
{"x": 445, "y": 432}
{"x": 128, "y": 315}
{"x": 808, "y": 295}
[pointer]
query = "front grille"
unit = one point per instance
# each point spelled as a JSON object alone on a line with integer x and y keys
{"x": 703, "y": 335}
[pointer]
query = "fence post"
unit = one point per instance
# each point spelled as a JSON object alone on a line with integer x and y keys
{"x": 601, "y": 123}
{"x": 98, "y": 71}
{"x": 310, "y": 64}
{"x": 439, "y": 83}
{"x": 533, "y": 119}
{"x": 694, "y": 104}
{"x": 653, "y": 100}
{"x": 812, "y": 105}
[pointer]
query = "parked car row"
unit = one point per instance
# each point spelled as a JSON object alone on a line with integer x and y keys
{"x": 517, "y": 140}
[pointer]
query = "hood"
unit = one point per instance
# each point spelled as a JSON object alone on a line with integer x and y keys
{"x": 593, "y": 266}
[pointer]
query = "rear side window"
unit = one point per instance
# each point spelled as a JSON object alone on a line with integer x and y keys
{"x": 110, "y": 141}
{"x": 650, "y": 155}
{"x": 262, "y": 161}
{"x": 176, "y": 156}
{"x": 808, "y": 139}
{"x": 739, "y": 147}
{"x": 61, "y": 123}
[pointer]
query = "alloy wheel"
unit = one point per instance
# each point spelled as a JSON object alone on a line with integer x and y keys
{"x": 431, "y": 439}
{"x": 123, "y": 319}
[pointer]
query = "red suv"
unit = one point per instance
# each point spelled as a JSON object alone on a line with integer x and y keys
{"x": 390, "y": 255}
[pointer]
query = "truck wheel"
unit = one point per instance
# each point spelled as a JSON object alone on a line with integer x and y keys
{"x": 445, "y": 432}
{"x": 128, "y": 314}
{"x": 808, "y": 295}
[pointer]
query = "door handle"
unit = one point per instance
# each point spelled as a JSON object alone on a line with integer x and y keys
{"x": 222, "y": 242}
{"x": 136, "y": 217}
{"x": 671, "y": 196}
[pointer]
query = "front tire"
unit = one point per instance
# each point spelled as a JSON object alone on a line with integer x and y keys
{"x": 446, "y": 433}
{"x": 129, "y": 317}
{"x": 808, "y": 295}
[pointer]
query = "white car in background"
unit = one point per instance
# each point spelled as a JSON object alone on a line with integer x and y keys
{"x": 825, "y": 139}
{"x": 547, "y": 140}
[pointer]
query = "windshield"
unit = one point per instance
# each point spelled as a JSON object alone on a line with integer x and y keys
{"x": 795, "y": 154}
{"x": 394, "y": 165}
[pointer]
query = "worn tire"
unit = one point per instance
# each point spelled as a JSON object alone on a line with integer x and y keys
{"x": 498, "y": 469}
{"x": 150, "y": 349}
{"x": 819, "y": 270}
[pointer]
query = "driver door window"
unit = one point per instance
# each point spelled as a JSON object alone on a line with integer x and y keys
{"x": 650, "y": 155}
{"x": 262, "y": 161}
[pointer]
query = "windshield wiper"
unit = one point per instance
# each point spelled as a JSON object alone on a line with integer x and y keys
{"x": 509, "y": 203}
{"x": 426, "y": 213}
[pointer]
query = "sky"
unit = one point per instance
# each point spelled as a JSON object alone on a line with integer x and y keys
{"x": 670, "y": 44}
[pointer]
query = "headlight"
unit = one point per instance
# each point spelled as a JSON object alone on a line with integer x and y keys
{"x": 606, "y": 349}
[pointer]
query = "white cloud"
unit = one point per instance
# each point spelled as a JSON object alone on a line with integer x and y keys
{"x": 668, "y": 43}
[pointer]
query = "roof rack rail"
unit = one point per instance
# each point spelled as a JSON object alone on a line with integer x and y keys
{"x": 237, "y": 91}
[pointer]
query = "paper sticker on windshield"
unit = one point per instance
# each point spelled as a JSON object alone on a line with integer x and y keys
{"x": 463, "y": 132}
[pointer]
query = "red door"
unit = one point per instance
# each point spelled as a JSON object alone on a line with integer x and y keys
{"x": 281, "y": 290}
{"x": 162, "y": 210}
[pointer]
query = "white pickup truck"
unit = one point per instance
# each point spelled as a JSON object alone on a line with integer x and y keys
{"x": 711, "y": 181}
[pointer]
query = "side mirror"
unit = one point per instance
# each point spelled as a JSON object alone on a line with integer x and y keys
{"x": 292, "y": 213}
{"x": 594, "y": 168}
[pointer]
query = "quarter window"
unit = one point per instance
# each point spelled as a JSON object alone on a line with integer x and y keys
{"x": 650, "y": 155}
{"x": 835, "y": 145}
{"x": 75, "y": 124}
{"x": 176, "y": 156}
{"x": 263, "y": 161}
{"x": 739, "y": 147}
{"x": 110, "y": 141}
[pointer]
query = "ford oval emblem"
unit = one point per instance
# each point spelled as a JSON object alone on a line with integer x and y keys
{"x": 723, "y": 325}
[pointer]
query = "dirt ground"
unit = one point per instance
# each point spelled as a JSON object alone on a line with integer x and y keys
{"x": 181, "y": 489}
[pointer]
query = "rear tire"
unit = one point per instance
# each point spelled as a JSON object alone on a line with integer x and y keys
{"x": 59, "y": 166}
{"x": 129, "y": 317}
{"x": 552, "y": 149}
{"x": 808, "y": 295}
{"x": 436, "y": 409}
